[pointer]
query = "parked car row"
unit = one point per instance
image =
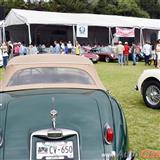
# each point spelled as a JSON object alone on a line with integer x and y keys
{"x": 105, "y": 54}
{"x": 102, "y": 54}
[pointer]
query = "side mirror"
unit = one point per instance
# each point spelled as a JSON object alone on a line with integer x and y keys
{"x": 1, "y": 137}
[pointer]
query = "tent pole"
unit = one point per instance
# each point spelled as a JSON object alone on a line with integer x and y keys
{"x": 4, "y": 35}
{"x": 74, "y": 35}
{"x": 29, "y": 34}
{"x": 109, "y": 37}
{"x": 141, "y": 37}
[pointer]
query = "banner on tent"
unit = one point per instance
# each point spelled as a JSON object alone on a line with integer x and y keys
{"x": 82, "y": 31}
{"x": 125, "y": 32}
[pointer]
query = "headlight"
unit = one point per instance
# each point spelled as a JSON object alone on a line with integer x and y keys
{"x": 112, "y": 55}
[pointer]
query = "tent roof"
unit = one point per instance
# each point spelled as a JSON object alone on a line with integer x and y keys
{"x": 19, "y": 16}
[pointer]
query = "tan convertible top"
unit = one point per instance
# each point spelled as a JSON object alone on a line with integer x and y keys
{"x": 50, "y": 60}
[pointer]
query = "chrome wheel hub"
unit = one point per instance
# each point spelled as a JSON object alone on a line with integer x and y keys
{"x": 153, "y": 95}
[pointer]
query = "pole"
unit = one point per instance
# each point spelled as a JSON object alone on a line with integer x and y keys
{"x": 4, "y": 35}
{"x": 29, "y": 34}
{"x": 109, "y": 36}
{"x": 74, "y": 35}
{"x": 141, "y": 37}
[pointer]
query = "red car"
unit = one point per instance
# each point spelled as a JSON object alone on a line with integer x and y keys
{"x": 85, "y": 51}
{"x": 105, "y": 53}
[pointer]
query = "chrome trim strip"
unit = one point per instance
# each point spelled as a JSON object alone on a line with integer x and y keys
{"x": 44, "y": 133}
{"x": 1, "y": 137}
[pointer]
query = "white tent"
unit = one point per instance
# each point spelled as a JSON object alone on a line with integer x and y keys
{"x": 18, "y": 16}
{"x": 28, "y": 17}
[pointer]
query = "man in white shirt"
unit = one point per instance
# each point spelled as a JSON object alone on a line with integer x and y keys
{"x": 69, "y": 45}
{"x": 147, "y": 52}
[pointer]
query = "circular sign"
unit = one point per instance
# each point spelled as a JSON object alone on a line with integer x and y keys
{"x": 82, "y": 29}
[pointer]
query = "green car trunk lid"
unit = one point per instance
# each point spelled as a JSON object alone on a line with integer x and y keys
{"x": 30, "y": 111}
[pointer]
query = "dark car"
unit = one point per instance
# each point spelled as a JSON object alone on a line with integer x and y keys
{"x": 105, "y": 53}
{"x": 85, "y": 51}
{"x": 139, "y": 57}
{"x": 55, "y": 107}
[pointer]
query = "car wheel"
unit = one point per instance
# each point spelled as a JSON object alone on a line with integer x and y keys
{"x": 94, "y": 61}
{"x": 151, "y": 94}
{"x": 107, "y": 59}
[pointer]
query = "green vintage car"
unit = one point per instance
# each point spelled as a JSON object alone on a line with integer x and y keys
{"x": 55, "y": 107}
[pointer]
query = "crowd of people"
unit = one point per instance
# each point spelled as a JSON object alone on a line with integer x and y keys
{"x": 150, "y": 53}
{"x": 9, "y": 50}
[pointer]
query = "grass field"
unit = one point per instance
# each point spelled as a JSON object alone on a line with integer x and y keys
{"x": 143, "y": 123}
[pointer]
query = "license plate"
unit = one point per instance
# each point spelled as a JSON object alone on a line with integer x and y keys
{"x": 54, "y": 150}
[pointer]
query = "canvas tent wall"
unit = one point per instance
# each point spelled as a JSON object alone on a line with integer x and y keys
{"x": 29, "y": 21}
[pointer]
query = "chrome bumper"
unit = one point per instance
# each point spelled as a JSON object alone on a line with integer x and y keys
{"x": 130, "y": 156}
{"x": 113, "y": 156}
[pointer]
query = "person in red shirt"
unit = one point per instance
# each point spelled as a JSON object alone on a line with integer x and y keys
{"x": 126, "y": 53}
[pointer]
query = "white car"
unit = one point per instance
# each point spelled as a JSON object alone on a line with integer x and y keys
{"x": 149, "y": 86}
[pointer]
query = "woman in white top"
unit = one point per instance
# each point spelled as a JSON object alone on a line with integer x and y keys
{"x": 5, "y": 54}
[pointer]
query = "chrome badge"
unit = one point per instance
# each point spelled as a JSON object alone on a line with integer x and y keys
{"x": 53, "y": 114}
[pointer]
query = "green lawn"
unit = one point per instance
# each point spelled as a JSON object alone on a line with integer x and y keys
{"x": 143, "y": 123}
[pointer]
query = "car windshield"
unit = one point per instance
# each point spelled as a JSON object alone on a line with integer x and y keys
{"x": 95, "y": 50}
{"x": 106, "y": 49}
{"x": 50, "y": 75}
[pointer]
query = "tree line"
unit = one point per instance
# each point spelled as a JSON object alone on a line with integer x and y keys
{"x": 134, "y": 8}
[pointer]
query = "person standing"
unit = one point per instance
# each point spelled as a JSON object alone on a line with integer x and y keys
{"x": 22, "y": 49}
{"x": 16, "y": 49}
{"x": 119, "y": 51}
{"x": 66, "y": 50}
{"x": 5, "y": 54}
{"x": 10, "y": 49}
{"x": 57, "y": 47}
{"x": 78, "y": 47}
{"x": 69, "y": 45}
{"x": 147, "y": 52}
{"x": 62, "y": 47}
{"x": 157, "y": 49}
{"x": 126, "y": 53}
{"x": 32, "y": 49}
